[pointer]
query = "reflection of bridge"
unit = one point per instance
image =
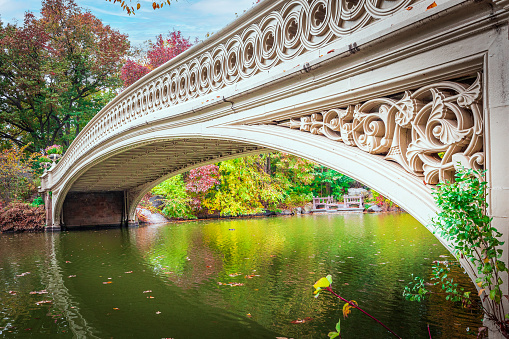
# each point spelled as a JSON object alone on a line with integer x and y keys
{"x": 374, "y": 89}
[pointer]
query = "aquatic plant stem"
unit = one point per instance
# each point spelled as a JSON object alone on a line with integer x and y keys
{"x": 360, "y": 309}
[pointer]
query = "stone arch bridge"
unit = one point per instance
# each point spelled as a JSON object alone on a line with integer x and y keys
{"x": 390, "y": 92}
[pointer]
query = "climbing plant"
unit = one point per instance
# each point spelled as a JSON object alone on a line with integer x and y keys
{"x": 463, "y": 222}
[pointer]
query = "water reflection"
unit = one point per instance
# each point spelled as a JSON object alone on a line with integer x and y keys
{"x": 225, "y": 279}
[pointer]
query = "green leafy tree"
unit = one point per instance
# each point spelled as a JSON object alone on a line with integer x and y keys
{"x": 56, "y": 72}
{"x": 176, "y": 202}
{"x": 245, "y": 188}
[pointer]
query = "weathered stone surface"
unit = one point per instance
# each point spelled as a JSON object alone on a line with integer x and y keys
{"x": 93, "y": 209}
{"x": 146, "y": 216}
{"x": 358, "y": 191}
{"x": 156, "y": 200}
{"x": 375, "y": 208}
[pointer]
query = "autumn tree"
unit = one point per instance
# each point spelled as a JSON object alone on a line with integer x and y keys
{"x": 56, "y": 72}
{"x": 158, "y": 53}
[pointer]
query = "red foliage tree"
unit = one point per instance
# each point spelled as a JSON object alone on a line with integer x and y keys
{"x": 200, "y": 181}
{"x": 159, "y": 53}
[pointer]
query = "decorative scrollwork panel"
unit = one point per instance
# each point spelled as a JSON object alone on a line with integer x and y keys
{"x": 426, "y": 131}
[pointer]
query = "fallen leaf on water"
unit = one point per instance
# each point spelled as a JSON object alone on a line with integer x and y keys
{"x": 12, "y": 292}
{"x": 150, "y": 297}
{"x": 158, "y": 312}
{"x": 234, "y": 274}
{"x": 434, "y": 4}
{"x": 230, "y": 284}
{"x": 209, "y": 266}
{"x": 22, "y": 274}
{"x": 44, "y": 302}
{"x": 409, "y": 8}
{"x": 68, "y": 262}
{"x": 249, "y": 315}
{"x": 301, "y": 321}
{"x": 107, "y": 282}
{"x": 39, "y": 292}
{"x": 251, "y": 276}
{"x": 116, "y": 308}
{"x": 129, "y": 272}
{"x": 72, "y": 276}
{"x": 147, "y": 291}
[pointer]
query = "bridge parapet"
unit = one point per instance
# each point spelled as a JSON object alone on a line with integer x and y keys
{"x": 271, "y": 33}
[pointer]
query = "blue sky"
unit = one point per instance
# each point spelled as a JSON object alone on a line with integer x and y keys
{"x": 194, "y": 18}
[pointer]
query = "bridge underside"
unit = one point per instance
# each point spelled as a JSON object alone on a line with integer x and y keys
{"x": 145, "y": 164}
{"x": 100, "y": 196}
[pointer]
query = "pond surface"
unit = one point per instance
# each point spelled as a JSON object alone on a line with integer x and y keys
{"x": 225, "y": 279}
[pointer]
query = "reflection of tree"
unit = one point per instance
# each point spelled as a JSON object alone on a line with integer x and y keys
{"x": 367, "y": 255}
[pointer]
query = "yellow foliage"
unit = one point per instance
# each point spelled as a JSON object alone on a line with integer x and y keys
{"x": 347, "y": 308}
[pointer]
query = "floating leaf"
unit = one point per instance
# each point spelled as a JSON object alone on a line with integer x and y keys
{"x": 147, "y": 291}
{"x": 107, "y": 282}
{"x": 39, "y": 292}
{"x": 301, "y": 321}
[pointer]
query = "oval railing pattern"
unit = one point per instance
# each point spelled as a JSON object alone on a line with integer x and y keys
{"x": 286, "y": 30}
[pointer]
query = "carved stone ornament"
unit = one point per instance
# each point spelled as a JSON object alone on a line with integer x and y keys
{"x": 422, "y": 131}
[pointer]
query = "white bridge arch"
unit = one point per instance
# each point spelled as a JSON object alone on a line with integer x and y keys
{"x": 373, "y": 89}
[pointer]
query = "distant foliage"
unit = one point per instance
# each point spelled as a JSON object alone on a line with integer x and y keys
{"x": 250, "y": 185}
{"x": 21, "y": 217}
{"x": 200, "y": 181}
{"x": 382, "y": 202}
{"x": 245, "y": 188}
{"x": 176, "y": 202}
{"x": 158, "y": 53}
{"x": 17, "y": 174}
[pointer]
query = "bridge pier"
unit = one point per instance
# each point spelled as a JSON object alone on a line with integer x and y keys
{"x": 88, "y": 209}
{"x": 497, "y": 138}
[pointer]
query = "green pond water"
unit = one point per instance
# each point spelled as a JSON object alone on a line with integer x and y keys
{"x": 248, "y": 278}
